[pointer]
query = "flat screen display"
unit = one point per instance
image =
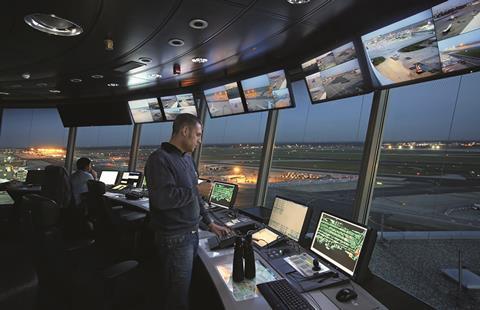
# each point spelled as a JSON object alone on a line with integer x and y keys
{"x": 339, "y": 241}
{"x": 108, "y": 177}
{"x": 404, "y": 51}
{"x": 266, "y": 92}
{"x": 288, "y": 217}
{"x": 131, "y": 178}
{"x": 457, "y": 27}
{"x": 224, "y": 100}
{"x": 335, "y": 74}
{"x": 223, "y": 194}
{"x": 178, "y": 104}
{"x": 145, "y": 110}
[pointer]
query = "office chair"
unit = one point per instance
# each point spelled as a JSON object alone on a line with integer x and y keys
{"x": 110, "y": 222}
{"x": 63, "y": 265}
{"x": 56, "y": 186}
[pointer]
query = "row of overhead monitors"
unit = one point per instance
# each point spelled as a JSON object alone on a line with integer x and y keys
{"x": 265, "y": 92}
{"x": 440, "y": 41}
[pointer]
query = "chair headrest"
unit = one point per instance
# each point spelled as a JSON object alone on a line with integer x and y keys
{"x": 96, "y": 187}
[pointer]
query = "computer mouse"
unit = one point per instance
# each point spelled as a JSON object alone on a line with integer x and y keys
{"x": 346, "y": 294}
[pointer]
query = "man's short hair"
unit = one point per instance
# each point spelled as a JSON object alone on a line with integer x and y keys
{"x": 183, "y": 120}
{"x": 82, "y": 163}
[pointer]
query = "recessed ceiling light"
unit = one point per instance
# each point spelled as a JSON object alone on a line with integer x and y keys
{"x": 26, "y": 75}
{"x": 176, "y": 42}
{"x": 145, "y": 60}
{"x": 54, "y": 91}
{"x": 4, "y": 93}
{"x": 154, "y": 76}
{"x": 298, "y": 1}
{"x": 41, "y": 84}
{"x": 52, "y": 24}
{"x": 97, "y": 76}
{"x": 113, "y": 84}
{"x": 198, "y": 24}
{"x": 76, "y": 80}
{"x": 199, "y": 60}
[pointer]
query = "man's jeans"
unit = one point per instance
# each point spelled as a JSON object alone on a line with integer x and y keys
{"x": 175, "y": 258}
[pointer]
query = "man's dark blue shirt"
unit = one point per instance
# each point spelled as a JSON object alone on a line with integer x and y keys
{"x": 175, "y": 204}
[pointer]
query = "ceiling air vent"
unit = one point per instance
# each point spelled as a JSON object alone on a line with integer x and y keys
{"x": 128, "y": 66}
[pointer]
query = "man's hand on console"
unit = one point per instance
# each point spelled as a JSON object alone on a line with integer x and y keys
{"x": 218, "y": 229}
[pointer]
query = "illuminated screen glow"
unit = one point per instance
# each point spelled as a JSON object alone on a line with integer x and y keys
{"x": 145, "y": 110}
{"x": 339, "y": 241}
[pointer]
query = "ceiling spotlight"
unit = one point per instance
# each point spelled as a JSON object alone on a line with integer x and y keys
{"x": 52, "y": 24}
{"x": 26, "y": 75}
{"x": 76, "y": 80}
{"x": 145, "y": 60}
{"x": 199, "y": 60}
{"x": 113, "y": 84}
{"x": 176, "y": 69}
{"x": 41, "y": 84}
{"x": 154, "y": 76}
{"x": 54, "y": 91}
{"x": 176, "y": 42}
{"x": 198, "y": 24}
{"x": 4, "y": 93}
{"x": 97, "y": 76}
{"x": 298, "y": 1}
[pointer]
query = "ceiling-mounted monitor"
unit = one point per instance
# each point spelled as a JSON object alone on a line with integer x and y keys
{"x": 267, "y": 92}
{"x": 178, "y": 104}
{"x": 145, "y": 110}
{"x": 403, "y": 51}
{"x": 224, "y": 100}
{"x": 335, "y": 74}
{"x": 94, "y": 114}
{"x": 457, "y": 27}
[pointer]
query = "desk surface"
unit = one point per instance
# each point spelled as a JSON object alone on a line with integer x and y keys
{"x": 215, "y": 261}
{"x": 219, "y": 261}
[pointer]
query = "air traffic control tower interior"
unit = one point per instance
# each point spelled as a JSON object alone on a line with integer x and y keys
{"x": 340, "y": 137}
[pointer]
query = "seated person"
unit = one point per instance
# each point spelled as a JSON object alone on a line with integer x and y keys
{"x": 79, "y": 178}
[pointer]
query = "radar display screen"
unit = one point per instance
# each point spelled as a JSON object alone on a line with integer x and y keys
{"x": 223, "y": 194}
{"x": 339, "y": 241}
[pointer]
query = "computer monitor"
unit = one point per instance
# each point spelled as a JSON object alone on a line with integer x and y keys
{"x": 266, "y": 92}
{"x": 288, "y": 217}
{"x": 340, "y": 242}
{"x": 108, "y": 177}
{"x": 131, "y": 178}
{"x": 224, "y": 100}
{"x": 335, "y": 74}
{"x": 145, "y": 110}
{"x": 178, "y": 104}
{"x": 223, "y": 194}
{"x": 403, "y": 51}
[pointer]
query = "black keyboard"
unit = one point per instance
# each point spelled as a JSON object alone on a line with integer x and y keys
{"x": 222, "y": 242}
{"x": 280, "y": 295}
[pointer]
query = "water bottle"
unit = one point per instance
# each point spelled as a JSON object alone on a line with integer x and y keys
{"x": 237, "y": 273}
{"x": 249, "y": 257}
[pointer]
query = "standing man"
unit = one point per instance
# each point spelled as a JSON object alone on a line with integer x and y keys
{"x": 176, "y": 209}
{"x": 79, "y": 178}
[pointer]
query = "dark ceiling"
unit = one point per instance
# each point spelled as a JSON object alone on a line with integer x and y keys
{"x": 242, "y": 37}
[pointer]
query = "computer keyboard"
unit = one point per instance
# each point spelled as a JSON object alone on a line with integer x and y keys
{"x": 222, "y": 242}
{"x": 280, "y": 295}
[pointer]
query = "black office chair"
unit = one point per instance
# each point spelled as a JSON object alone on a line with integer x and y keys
{"x": 56, "y": 186}
{"x": 111, "y": 222}
{"x": 64, "y": 265}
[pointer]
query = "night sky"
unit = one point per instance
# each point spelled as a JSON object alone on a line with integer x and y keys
{"x": 419, "y": 112}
